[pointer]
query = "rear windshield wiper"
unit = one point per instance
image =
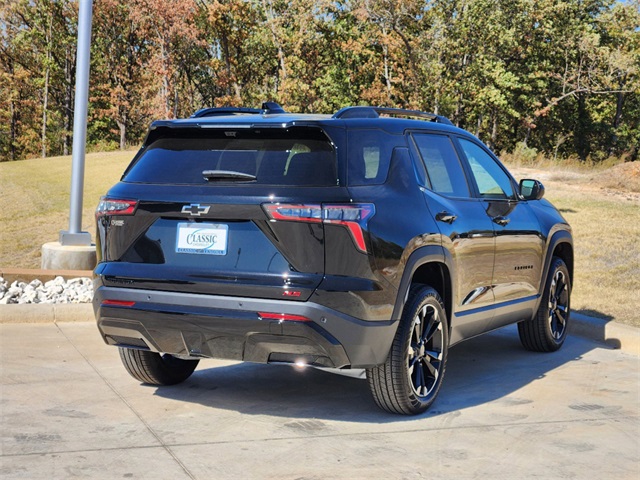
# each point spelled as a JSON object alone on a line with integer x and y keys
{"x": 227, "y": 175}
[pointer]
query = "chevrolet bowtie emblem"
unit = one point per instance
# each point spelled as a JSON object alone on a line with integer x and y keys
{"x": 195, "y": 209}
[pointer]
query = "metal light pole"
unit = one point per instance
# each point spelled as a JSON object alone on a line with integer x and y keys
{"x": 74, "y": 250}
{"x": 74, "y": 236}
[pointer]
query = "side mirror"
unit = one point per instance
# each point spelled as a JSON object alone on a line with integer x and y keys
{"x": 531, "y": 189}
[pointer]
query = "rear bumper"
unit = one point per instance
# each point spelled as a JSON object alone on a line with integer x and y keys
{"x": 231, "y": 328}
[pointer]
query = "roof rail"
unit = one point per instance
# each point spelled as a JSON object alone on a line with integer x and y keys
{"x": 267, "y": 108}
{"x": 374, "y": 112}
{"x": 214, "y": 112}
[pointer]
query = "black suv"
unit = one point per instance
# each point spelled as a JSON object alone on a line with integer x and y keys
{"x": 374, "y": 238}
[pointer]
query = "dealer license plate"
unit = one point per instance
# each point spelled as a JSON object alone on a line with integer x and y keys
{"x": 202, "y": 238}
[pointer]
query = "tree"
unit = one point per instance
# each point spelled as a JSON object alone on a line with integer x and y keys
{"x": 120, "y": 81}
{"x": 561, "y": 76}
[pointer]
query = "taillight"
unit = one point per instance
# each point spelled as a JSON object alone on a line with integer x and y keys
{"x": 353, "y": 216}
{"x": 294, "y": 212}
{"x": 115, "y": 206}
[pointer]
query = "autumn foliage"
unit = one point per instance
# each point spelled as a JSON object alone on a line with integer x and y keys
{"x": 557, "y": 77}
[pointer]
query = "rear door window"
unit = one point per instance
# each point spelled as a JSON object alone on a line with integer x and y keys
{"x": 297, "y": 156}
{"x": 444, "y": 170}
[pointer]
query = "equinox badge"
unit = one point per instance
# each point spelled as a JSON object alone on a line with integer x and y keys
{"x": 195, "y": 209}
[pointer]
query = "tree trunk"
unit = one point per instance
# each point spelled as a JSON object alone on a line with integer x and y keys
{"x": 232, "y": 82}
{"x": 68, "y": 100}
{"x": 437, "y": 93}
{"x": 165, "y": 79}
{"x": 460, "y": 100}
{"x": 45, "y": 95}
{"x": 276, "y": 41}
{"x": 479, "y": 126}
{"x": 616, "y": 122}
{"x": 175, "y": 101}
{"x": 581, "y": 140}
{"x": 387, "y": 70}
{"x": 527, "y": 136}
{"x": 122, "y": 125}
{"x": 560, "y": 139}
{"x": 227, "y": 63}
{"x": 415, "y": 73}
{"x": 494, "y": 130}
{"x": 387, "y": 73}
{"x": 12, "y": 145}
{"x": 45, "y": 106}
{"x": 45, "y": 99}
{"x": 458, "y": 113}
{"x": 165, "y": 94}
{"x": 619, "y": 104}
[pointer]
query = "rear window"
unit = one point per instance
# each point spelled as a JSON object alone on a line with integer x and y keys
{"x": 369, "y": 155}
{"x": 297, "y": 156}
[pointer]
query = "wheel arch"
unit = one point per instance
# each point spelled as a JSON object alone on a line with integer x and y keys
{"x": 560, "y": 245}
{"x": 564, "y": 250}
{"x": 429, "y": 265}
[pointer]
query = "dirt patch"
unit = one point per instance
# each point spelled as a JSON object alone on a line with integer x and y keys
{"x": 624, "y": 177}
{"x": 621, "y": 182}
{"x": 603, "y": 210}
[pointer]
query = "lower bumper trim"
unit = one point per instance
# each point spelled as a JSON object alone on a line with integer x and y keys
{"x": 189, "y": 325}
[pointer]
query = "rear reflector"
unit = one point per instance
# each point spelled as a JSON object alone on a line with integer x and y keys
{"x": 117, "y": 303}
{"x": 283, "y": 317}
{"x": 291, "y": 293}
{"x": 353, "y": 216}
{"x": 113, "y": 206}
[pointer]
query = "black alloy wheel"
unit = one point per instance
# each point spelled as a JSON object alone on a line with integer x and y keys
{"x": 547, "y": 331}
{"x": 425, "y": 352}
{"x": 410, "y": 379}
{"x": 558, "y": 305}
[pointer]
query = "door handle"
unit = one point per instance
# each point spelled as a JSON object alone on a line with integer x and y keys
{"x": 502, "y": 221}
{"x": 446, "y": 217}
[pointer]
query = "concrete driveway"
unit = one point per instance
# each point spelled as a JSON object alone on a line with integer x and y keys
{"x": 69, "y": 410}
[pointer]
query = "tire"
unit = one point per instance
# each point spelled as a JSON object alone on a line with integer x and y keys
{"x": 155, "y": 369}
{"x": 547, "y": 331}
{"x": 410, "y": 379}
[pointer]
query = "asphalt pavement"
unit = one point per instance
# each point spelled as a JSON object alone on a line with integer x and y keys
{"x": 68, "y": 409}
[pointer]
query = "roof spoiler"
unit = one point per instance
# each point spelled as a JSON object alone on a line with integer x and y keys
{"x": 268, "y": 108}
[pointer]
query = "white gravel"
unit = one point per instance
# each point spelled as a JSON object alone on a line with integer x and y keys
{"x": 58, "y": 290}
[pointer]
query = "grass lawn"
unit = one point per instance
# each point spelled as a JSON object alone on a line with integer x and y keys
{"x": 34, "y": 202}
{"x": 606, "y": 232}
{"x": 604, "y": 214}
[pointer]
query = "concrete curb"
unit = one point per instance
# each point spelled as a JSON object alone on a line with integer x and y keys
{"x": 27, "y": 274}
{"x": 46, "y": 313}
{"x": 615, "y": 335}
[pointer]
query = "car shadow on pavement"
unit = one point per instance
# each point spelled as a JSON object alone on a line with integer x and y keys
{"x": 594, "y": 324}
{"x": 485, "y": 369}
{"x": 594, "y": 314}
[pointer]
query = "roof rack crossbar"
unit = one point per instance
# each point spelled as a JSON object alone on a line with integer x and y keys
{"x": 267, "y": 108}
{"x": 374, "y": 112}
